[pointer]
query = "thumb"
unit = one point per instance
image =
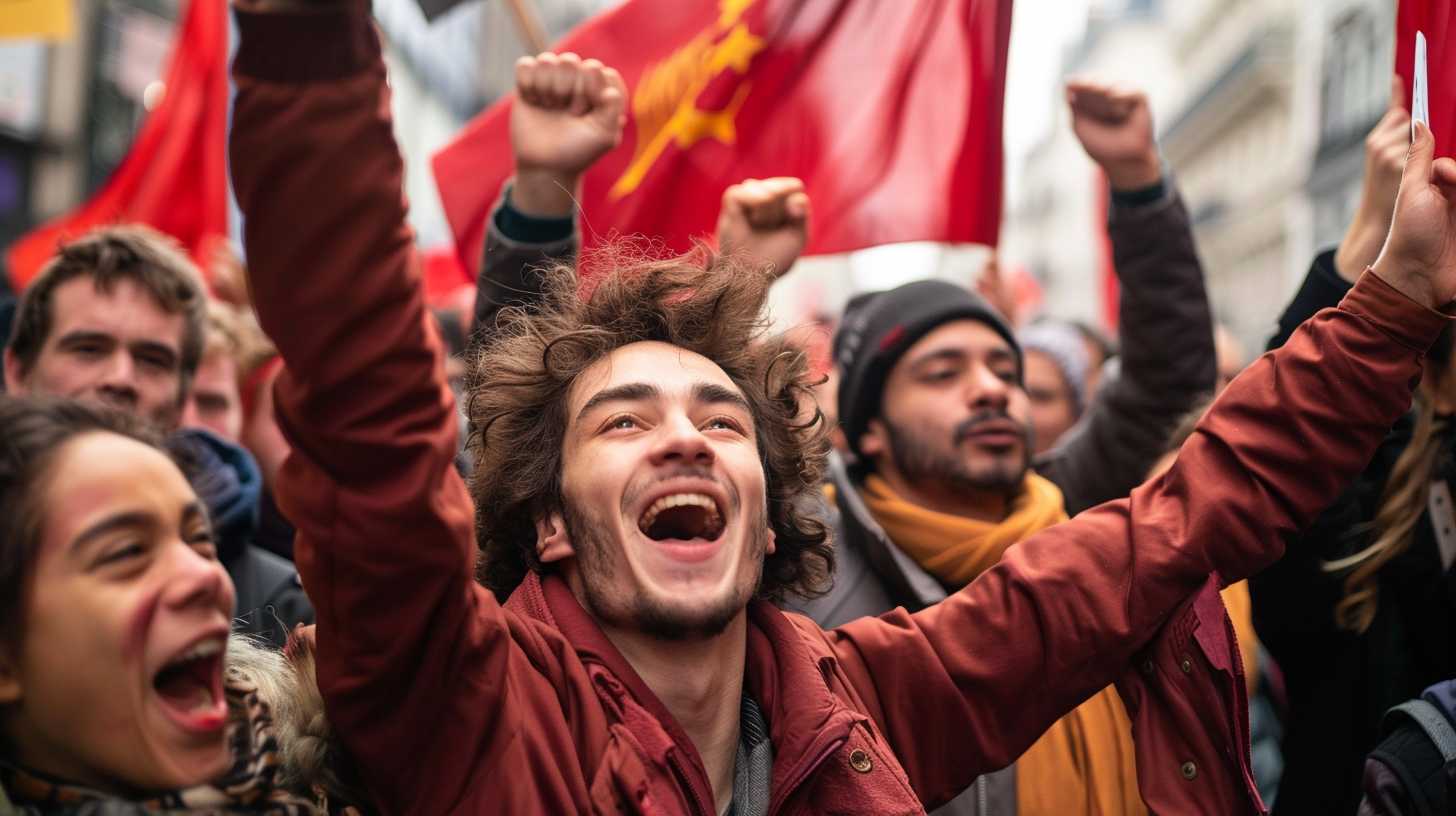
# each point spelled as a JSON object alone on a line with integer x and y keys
{"x": 1419, "y": 158}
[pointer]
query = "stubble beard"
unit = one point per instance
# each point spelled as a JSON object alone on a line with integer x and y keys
{"x": 644, "y": 612}
{"x": 924, "y": 460}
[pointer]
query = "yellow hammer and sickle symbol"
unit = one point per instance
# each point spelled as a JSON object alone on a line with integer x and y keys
{"x": 664, "y": 104}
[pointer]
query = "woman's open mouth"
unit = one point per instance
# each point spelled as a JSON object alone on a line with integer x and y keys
{"x": 190, "y": 688}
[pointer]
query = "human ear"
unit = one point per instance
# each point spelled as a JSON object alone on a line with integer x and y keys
{"x": 771, "y": 544}
{"x": 14, "y": 381}
{"x": 553, "y": 543}
{"x": 876, "y": 440}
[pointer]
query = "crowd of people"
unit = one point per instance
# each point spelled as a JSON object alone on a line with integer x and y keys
{"x": 292, "y": 542}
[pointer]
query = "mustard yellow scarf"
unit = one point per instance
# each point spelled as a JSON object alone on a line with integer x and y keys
{"x": 956, "y": 549}
{"x": 1085, "y": 764}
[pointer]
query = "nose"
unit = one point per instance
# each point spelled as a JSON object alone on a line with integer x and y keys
{"x": 196, "y": 582}
{"x": 118, "y": 382}
{"x": 985, "y": 389}
{"x": 681, "y": 442}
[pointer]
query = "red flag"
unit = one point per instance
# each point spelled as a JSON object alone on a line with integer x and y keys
{"x": 889, "y": 111}
{"x": 1437, "y": 20}
{"x": 175, "y": 176}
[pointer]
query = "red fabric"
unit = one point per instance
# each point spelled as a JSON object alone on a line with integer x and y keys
{"x": 175, "y": 177}
{"x": 444, "y": 275}
{"x": 1434, "y": 18}
{"x": 890, "y": 112}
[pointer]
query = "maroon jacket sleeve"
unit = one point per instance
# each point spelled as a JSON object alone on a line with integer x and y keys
{"x": 423, "y": 674}
{"x": 967, "y": 685}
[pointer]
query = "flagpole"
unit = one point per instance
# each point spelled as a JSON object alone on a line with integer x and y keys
{"x": 528, "y": 23}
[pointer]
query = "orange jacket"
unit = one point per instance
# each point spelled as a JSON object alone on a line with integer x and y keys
{"x": 451, "y": 703}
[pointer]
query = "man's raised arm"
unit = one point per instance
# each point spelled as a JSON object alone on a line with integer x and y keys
{"x": 1066, "y": 611}
{"x": 1167, "y": 361}
{"x": 384, "y": 523}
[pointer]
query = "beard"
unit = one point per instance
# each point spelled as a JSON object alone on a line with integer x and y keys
{"x": 599, "y": 562}
{"x": 923, "y": 458}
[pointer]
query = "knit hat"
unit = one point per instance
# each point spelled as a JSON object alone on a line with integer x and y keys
{"x": 1063, "y": 344}
{"x": 878, "y": 327}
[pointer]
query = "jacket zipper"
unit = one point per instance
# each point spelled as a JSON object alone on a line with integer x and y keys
{"x": 983, "y": 804}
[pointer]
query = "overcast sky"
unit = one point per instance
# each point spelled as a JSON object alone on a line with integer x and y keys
{"x": 1040, "y": 32}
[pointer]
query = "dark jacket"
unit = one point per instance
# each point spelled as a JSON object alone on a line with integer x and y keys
{"x": 1340, "y": 684}
{"x": 450, "y": 702}
{"x": 270, "y": 599}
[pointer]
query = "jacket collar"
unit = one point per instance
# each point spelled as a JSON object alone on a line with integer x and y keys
{"x": 782, "y": 673}
{"x": 908, "y": 584}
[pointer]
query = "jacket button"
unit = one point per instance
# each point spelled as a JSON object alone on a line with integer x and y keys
{"x": 860, "y": 760}
{"x": 1190, "y": 770}
{"x": 1148, "y": 668}
{"x": 1186, "y": 666}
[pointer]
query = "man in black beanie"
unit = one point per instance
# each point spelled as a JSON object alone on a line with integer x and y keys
{"x": 940, "y": 479}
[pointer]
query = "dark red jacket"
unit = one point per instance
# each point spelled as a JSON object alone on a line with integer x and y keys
{"x": 451, "y": 703}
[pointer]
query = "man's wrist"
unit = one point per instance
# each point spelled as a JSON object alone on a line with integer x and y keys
{"x": 544, "y": 193}
{"x": 1136, "y": 174}
{"x": 1413, "y": 286}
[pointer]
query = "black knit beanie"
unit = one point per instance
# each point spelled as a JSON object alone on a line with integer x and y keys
{"x": 878, "y": 327}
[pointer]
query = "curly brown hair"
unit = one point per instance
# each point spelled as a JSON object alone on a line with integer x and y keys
{"x": 707, "y": 303}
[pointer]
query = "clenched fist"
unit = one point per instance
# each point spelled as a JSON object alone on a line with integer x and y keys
{"x": 567, "y": 114}
{"x": 1115, "y": 127}
{"x": 766, "y": 219}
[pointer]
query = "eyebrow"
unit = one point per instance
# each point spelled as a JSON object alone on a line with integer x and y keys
{"x": 993, "y": 355}
{"x": 134, "y": 518}
{"x": 707, "y": 393}
{"x": 70, "y": 338}
{"x": 628, "y": 392}
{"x": 714, "y": 394}
{"x": 157, "y": 348}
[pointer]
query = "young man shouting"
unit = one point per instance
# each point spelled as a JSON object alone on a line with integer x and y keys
{"x": 643, "y": 478}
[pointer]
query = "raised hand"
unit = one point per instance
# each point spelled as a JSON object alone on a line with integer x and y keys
{"x": 1115, "y": 127}
{"x": 766, "y": 219}
{"x": 1385, "y": 150}
{"x": 567, "y": 114}
{"x": 998, "y": 290}
{"x": 1419, "y": 257}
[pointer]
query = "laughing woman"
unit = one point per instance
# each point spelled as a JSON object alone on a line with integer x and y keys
{"x": 117, "y": 692}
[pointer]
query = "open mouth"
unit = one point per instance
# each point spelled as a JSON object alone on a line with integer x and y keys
{"x": 682, "y": 517}
{"x": 190, "y": 686}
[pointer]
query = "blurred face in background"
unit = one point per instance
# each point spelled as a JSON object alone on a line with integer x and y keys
{"x": 953, "y": 418}
{"x": 117, "y": 348}
{"x": 1053, "y": 405}
{"x": 215, "y": 403}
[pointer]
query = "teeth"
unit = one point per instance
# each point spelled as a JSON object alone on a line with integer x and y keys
{"x": 679, "y": 500}
{"x": 207, "y": 648}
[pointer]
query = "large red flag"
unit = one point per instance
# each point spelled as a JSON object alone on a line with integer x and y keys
{"x": 175, "y": 176}
{"x": 889, "y": 111}
{"x": 1435, "y": 19}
